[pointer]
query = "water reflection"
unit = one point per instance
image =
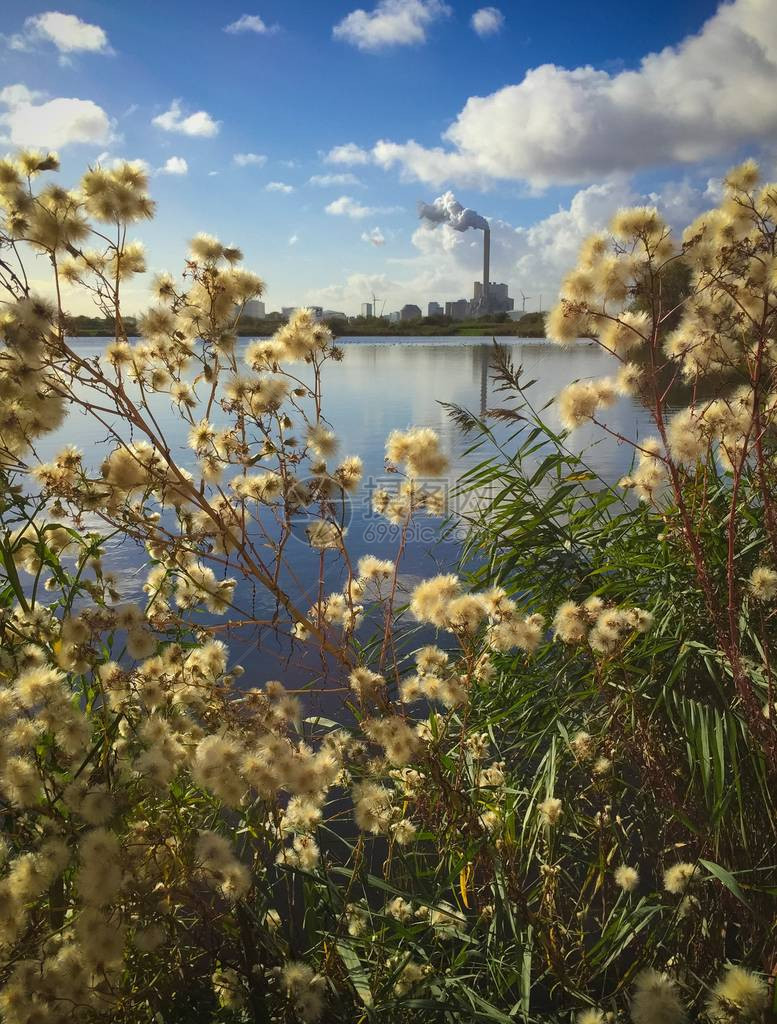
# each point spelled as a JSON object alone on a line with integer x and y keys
{"x": 378, "y": 387}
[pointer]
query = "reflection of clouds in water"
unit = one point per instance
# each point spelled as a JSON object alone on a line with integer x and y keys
{"x": 380, "y": 386}
{"x": 122, "y": 557}
{"x": 385, "y": 385}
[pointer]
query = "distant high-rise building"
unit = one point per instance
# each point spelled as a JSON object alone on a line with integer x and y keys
{"x": 410, "y": 312}
{"x": 366, "y": 309}
{"x": 394, "y": 318}
{"x": 288, "y": 311}
{"x": 434, "y": 309}
{"x": 333, "y": 314}
{"x": 458, "y": 310}
{"x": 254, "y": 308}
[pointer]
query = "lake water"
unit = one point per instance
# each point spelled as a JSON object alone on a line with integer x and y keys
{"x": 382, "y": 385}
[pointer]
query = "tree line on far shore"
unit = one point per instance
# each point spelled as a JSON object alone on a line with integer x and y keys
{"x": 530, "y": 325}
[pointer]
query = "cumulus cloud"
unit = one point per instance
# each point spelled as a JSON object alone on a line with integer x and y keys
{"x": 174, "y": 165}
{"x": 66, "y": 32}
{"x": 249, "y": 159}
{"x": 349, "y": 153}
{"x": 106, "y": 159}
{"x": 278, "y": 186}
{"x": 250, "y": 23}
{"x": 346, "y": 206}
{"x": 332, "y": 180}
{"x": 374, "y": 237}
{"x": 391, "y": 23}
{"x": 487, "y": 21}
{"x": 200, "y": 123}
{"x": 433, "y": 165}
{"x": 532, "y": 258}
{"x": 704, "y": 97}
{"x": 16, "y": 95}
{"x": 355, "y": 290}
{"x": 54, "y": 124}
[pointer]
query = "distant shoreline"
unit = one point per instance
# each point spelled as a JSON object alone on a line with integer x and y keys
{"x": 531, "y": 325}
{"x": 362, "y": 339}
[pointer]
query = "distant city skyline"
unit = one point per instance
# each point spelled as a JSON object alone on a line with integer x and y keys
{"x": 545, "y": 124}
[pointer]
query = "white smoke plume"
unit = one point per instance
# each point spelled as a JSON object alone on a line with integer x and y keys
{"x": 446, "y": 209}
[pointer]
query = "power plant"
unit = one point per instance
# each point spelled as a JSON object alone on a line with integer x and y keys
{"x": 488, "y": 297}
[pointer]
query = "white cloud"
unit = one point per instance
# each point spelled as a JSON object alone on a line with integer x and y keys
{"x": 345, "y": 206}
{"x": 105, "y": 159}
{"x": 487, "y": 21}
{"x": 175, "y": 165}
{"x": 251, "y": 23}
{"x": 66, "y": 32}
{"x": 432, "y": 165}
{"x": 16, "y": 95}
{"x": 349, "y": 153}
{"x": 374, "y": 237}
{"x": 532, "y": 259}
{"x": 391, "y": 23}
{"x": 331, "y": 180}
{"x": 356, "y": 289}
{"x": 199, "y": 123}
{"x": 54, "y": 124}
{"x": 249, "y": 159}
{"x": 294, "y": 239}
{"x": 278, "y": 186}
{"x": 704, "y": 97}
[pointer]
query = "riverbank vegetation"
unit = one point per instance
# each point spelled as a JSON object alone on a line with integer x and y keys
{"x": 530, "y": 325}
{"x": 548, "y": 794}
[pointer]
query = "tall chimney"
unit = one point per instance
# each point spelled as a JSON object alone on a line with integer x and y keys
{"x": 486, "y": 268}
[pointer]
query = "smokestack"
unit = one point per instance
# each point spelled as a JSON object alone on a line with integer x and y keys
{"x": 446, "y": 209}
{"x": 486, "y": 268}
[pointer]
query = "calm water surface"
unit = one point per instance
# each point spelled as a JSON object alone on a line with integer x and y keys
{"x": 382, "y": 385}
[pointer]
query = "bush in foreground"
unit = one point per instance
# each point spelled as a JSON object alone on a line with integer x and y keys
{"x": 558, "y": 802}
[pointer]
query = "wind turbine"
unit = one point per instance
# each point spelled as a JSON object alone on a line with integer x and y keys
{"x": 375, "y": 301}
{"x": 524, "y": 297}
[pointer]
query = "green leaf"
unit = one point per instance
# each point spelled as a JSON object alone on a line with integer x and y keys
{"x": 356, "y": 971}
{"x": 725, "y": 876}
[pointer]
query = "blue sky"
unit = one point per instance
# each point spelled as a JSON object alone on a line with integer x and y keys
{"x": 583, "y": 109}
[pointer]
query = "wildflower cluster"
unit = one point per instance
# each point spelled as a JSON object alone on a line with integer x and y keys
{"x": 501, "y": 806}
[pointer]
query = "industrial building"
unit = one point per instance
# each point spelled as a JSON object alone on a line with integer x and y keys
{"x": 458, "y": 310}
{"x": 488, "y": 296}
{"x": 497, "y": 300}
